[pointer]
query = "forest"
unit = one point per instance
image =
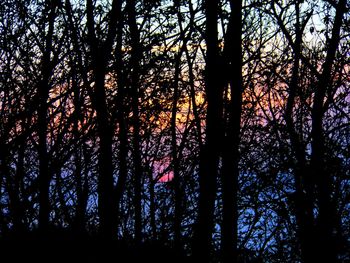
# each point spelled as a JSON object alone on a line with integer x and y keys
{"x": 175, "y": 130}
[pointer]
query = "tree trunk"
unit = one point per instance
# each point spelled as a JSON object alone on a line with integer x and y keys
{"x": 81, "y": 187}
{"x": 303, "y": 181}
{"x": 121, "y": 120}
{"x": 152, "y": 208}
{"x": 176, "y": 151}
{"x": 175, "y": 162}
{"x": 43, "y": 92}
{"x": 327, "y": 209}
{"x": 15, "y": 190}
{"x": 100, "y": 54}
{"x": 135, "y": 66}
{"x": 230, "y": 161}
{"x": 209, "y": 159}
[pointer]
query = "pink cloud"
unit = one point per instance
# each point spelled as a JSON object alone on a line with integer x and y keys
{"x": 167, "y": 177}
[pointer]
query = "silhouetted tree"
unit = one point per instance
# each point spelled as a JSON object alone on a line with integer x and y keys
{"x": 169, "y": 130}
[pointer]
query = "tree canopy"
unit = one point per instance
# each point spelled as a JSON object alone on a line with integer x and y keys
{"x": 207, "y": 130}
